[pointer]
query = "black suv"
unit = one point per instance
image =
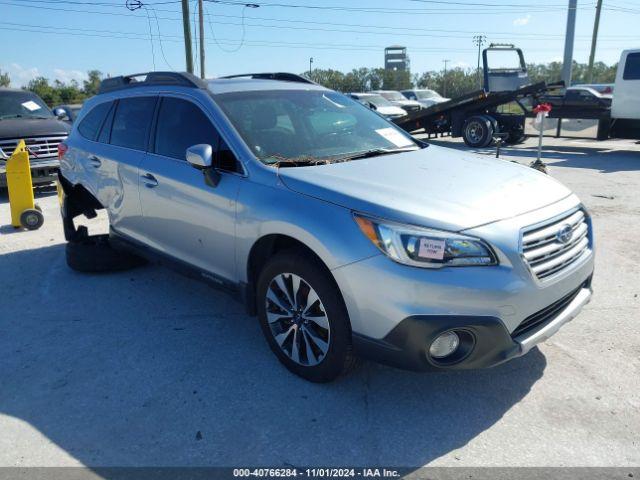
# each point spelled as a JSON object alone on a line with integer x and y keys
{"x": 24, "y": 116}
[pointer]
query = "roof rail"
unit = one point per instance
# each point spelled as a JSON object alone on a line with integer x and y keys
{"x": 282, "y": 76}
{"x": 148, "y": 79}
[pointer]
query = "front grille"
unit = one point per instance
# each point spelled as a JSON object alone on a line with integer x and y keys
{"x": 41, "y": 149}
{"x": 544, "y": 251}
{"x": 547, "y": 314}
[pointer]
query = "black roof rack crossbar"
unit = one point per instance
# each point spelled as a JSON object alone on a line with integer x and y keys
{"x": 282, "y": 76}
{"x": 182, "y": 79}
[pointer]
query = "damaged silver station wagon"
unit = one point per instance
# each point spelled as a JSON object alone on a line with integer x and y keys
{"x": 344, "y": 234}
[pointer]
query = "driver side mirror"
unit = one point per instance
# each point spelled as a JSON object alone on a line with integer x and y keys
{"x": 372, "y": 106}
{"x": 201, "y": 157}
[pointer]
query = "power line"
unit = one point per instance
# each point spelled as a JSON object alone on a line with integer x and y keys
{"x": 369, "y": 26}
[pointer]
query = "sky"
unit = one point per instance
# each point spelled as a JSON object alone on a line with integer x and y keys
{"x": 63, "y": 39}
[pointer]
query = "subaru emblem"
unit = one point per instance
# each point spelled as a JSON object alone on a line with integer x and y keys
{"x": 565, "y": 233}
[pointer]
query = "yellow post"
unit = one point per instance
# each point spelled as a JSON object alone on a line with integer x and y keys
{"x": 19, "y": 183}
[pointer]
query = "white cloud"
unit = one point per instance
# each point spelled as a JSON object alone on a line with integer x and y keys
{"x": 522, "y": 21}
{"x": 20, "y": 75}
{"x": 68, "y": 75}
{"x": 459, "y": 64}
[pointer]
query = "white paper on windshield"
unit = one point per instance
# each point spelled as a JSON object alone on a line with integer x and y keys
{"x": 430, "y": 248}
{"x": 395, "y": 137}
{"x": 31, "y": 106}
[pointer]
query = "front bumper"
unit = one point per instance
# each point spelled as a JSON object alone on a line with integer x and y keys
{"x": 41, "y": 172}
{"x": 406, "y": 346}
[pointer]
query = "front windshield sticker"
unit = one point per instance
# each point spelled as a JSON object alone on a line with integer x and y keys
{"x": 395, "y": 137}
{"x": 31, "y": 106}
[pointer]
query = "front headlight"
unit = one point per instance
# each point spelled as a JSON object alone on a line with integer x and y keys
{"x": 425, "y": 247}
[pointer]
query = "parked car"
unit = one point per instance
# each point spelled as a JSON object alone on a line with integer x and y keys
{"x": 578, "y": 100}
{"x": 70, "y": 111}
{"x": 379, "y": 104}
{"x": 343, "y": 233}
{"x": 24, "y": 116}
{"x": 399, "y": 100}
{"x": 606, "y": 88}
{"x": 425, "y": 96}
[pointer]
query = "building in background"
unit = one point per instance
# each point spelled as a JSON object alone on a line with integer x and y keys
{"x": 396, "y": 58}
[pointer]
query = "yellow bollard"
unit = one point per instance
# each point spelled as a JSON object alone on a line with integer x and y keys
{"x": 24, "y": 212}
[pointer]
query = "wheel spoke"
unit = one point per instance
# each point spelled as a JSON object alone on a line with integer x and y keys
{"x": 282, "y": 337}
{"x": 307, "y": 347}
{"x": 316, "y": 340}
{"x": 276, "y": 317}
{"x": 320, "y": 320}
{"x": 312, "y": 299}
{"x": 280, "y": 281}
{"x": 295, "y": 287}
{"x": 295, "y": 352}
{"x": 271, "y": 295}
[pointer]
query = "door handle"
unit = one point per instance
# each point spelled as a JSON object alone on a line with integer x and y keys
{"x": 149, "y": 180}
{"x": 95, "y": 161}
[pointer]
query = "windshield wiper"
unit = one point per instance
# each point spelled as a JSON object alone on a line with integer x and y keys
{"x": 374, "y": 152}
{"x": 296, "y": 161}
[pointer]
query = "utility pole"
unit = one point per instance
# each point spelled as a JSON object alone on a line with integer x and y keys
{"x": 201, "y": 26}
{"x": 310, "y": 64}
{"x": 596, "y": 24}
{"x": 444, "y": 79}
{"x": 187, "y": 35}
{"x": 567, "y": 64}
{"x": 479, "y": 40}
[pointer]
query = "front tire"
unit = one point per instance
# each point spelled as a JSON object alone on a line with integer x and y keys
{"x": 303, "y": 317}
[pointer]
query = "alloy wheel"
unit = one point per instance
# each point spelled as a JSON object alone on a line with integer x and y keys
{"x": 297, "y": 319}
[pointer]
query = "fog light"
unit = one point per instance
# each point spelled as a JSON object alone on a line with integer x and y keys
{"x": 444, "y": 345}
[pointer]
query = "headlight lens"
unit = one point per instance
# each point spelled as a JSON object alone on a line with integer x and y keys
{"x": 425, "y": 247}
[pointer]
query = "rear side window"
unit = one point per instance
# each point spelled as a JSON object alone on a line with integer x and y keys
{"x": 132, "y": 122}
{"x": 92, "y": 121}
{"x": 632, "y": 67}
{"x": 181, "y": 124}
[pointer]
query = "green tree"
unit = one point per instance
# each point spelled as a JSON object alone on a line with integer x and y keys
{"x": 5, "y": 81}
{"x": 41, "y": 87}
{"x": 91, "y": 86}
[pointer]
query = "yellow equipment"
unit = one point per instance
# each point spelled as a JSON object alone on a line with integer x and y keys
{"x": 24, "y": 212}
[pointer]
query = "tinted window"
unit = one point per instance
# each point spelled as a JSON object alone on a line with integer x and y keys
{"x": 632, "y": 67}
{"x": 182, "y": 124}
{"x": 92, "y": 121}
{"x": 105, "y": 133}
{"x": 132, "y": 122}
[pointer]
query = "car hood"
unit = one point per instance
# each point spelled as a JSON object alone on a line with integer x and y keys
{"x": 435, "y": 187}
{"x": 390, "y": 110}
{"x": 11, "y": 128}
{"x": 407, "y": 103}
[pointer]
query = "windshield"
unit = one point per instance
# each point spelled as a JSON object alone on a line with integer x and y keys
{"x": 22, "y": 104}
{"x": 393, "y": 96}
{"x": 377, "y": 100}
{"x": 426, "y": 94}
{"x": 309, "y": 126}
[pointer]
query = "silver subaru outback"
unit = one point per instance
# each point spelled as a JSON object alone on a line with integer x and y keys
{"x": 346, "y": 236}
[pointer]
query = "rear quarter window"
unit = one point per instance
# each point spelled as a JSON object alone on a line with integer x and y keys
{"x": 92, "y": 121}
{"x": 132, "y": 122}
{"x": 632, "y": 67}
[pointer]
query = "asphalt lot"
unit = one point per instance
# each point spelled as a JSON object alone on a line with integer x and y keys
{"x": 150, "y": 368}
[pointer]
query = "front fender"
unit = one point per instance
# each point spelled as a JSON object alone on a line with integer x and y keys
{"x": 327, "y": 229}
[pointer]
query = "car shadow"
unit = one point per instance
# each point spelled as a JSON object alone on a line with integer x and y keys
{"x": 594, "y": 157}
{"x": 148, "y": 368}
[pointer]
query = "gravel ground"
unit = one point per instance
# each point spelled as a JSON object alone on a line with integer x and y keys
{"x": 149, "y": 368}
